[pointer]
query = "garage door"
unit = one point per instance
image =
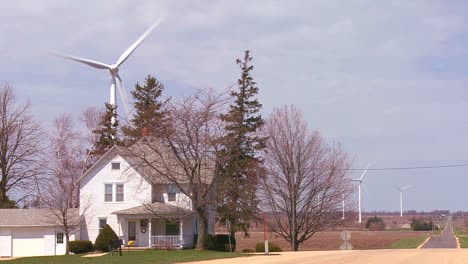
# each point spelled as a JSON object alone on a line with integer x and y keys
{"x": 28, "y": 242}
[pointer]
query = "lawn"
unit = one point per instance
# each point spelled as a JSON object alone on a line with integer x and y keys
{"x": 411, "y": 242}
{"x": 462, "y": 235}
{"x": 137, "y": 257}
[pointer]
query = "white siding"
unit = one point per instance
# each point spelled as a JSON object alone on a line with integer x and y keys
{"x": 137, "y": 191}
{"x": 5, "y": 242}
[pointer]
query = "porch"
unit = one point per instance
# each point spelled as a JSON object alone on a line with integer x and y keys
{"x": 146, "y": 229}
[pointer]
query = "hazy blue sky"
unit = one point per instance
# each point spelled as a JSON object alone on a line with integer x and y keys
{"x": 387, "y": 79}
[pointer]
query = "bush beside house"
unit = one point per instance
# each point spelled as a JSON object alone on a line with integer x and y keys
{"x": 104, "y": 237}
{"x": 80, "y": 246}
{"x": 219, "y": 242}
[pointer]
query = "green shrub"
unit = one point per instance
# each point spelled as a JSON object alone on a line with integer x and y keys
{"x": 219, "y": 242}
{"x": 222, "y": 243}
{"x": 375, "y": 224}
{"x": 418, "y": 224}
{"x": 105, "y": 236}
{"x": 208, "y": 242}
{"x": 272, "y": 247}
{"x": 80, "y": 246}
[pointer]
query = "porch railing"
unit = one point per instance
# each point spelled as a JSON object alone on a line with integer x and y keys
{"x": 167, "y": 241}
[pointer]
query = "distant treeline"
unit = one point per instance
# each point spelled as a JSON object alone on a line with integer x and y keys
{"x": 412, "y": 212}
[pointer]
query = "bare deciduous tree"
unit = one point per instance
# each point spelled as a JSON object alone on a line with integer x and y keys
{"x": 60, "y": 194}
{"x": 21, "y": 149}
{"x": 184, "y": 154}
{"x": 91, "y": 117}
{"x": 305, "y": 178}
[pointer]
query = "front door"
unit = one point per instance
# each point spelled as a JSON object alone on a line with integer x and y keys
{"x": 131, "y": 231}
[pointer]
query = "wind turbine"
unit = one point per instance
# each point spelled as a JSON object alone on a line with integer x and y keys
{"x": 401, "y": 197}
{"x": 359, "y": 192}
{"x": 114, "y": 68}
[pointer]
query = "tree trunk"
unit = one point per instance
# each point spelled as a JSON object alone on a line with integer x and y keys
{"x": 201, "y": 233}
{"x": 67, "y": 243}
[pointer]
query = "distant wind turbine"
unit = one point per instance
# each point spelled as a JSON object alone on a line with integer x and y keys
{"x": 401, "y": 197}
{"x": 114, "y": 68}
{"x": 359, "y": 192}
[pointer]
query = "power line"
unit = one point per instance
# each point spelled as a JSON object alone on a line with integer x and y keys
{"x": 412, "y": 168}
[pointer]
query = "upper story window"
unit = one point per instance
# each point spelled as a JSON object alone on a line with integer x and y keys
{"x": 172, "y": 192}
{"x": 119, "y": 197}
{"x": 108, "y": 192}
{"x": 115, "y": 165}
{"x": 114, "y": 192}
{"x": 171, "y": 197}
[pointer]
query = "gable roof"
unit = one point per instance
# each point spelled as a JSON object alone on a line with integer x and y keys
{"x": 143, "y": 152}
{"x": 112, "y": 152}
{"x": 30, "y": 217}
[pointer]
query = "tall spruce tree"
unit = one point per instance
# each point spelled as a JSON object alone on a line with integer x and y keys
{"x": 107, "y": 131}
{"x": 149, "y": 111}
{"x": 237, "y": 201}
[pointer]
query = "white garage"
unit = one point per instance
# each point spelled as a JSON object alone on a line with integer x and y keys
{"x": 26, "y": 232}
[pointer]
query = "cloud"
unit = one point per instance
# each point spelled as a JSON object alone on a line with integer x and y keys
{"x": 387, "y": 79}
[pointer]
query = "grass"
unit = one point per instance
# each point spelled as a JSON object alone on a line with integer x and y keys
{"x": 462, "y": 236}
{"x": 137, "y": 257}
{"x": 405, "y": 243}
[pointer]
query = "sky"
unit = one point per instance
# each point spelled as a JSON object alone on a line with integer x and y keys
{"x": 386, "y": 79}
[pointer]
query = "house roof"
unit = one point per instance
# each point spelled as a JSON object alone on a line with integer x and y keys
{"x": 147, "y": 154}
{"x": 30, "y": 217}
{"x": 157, "y": 208}
{"x": 158, "y": 162}
{"x": 115, "y": 150}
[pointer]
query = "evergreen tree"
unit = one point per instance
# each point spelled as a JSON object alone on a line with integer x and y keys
{"x": 107, "y": 131}
{"x": 149, "y": 111}
{"x": 241, "y": 168}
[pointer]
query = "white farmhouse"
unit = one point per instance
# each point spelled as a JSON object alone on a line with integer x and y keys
{"x": 115, "y": 192}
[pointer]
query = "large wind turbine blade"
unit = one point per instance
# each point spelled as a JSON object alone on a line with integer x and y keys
{"x": 365, "y": 188}
{"x": 132, "y": 48}
{"x": 364, "y": 173}
{"x": 397, "y": 187}
{"x": 92, "y": 63}
{"x": 123, "y": 95}
{"x": 404, "y": 188}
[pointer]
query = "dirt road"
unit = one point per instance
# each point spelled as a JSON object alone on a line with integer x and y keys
{"x": 384, "y": 256}
{"x": 445, "y": 240}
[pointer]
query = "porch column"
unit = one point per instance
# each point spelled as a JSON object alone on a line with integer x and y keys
{"x": 181, "y": 231}
{"x": 149, "y": 232}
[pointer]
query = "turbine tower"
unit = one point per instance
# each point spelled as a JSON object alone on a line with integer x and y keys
{"x": 359, "y": 192}
{"x": 401, "y": 197}
{"x": 115, "y": 79}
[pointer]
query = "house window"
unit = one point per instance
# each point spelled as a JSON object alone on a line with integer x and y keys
{"x": 115, "y": 165}
{"x": 172, "y": 228}
{"x": 114, "y": 192}
{"x": 120, "y": 193}
{"x": 108, "y": 193}
{"x": 144, "y": 223}
{"x": 171, "y": 193}
{"x": 102, "y": 223}
{"x": 171, "y": 197}
{"x": 59, "y": 238}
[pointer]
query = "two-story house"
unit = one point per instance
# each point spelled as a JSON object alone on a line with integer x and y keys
{"x": 115, "y": 191}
